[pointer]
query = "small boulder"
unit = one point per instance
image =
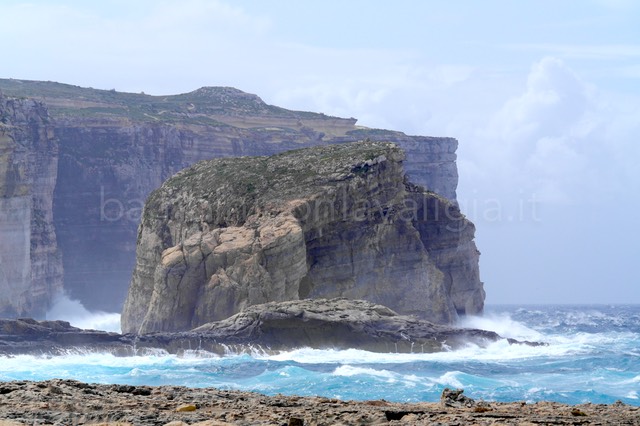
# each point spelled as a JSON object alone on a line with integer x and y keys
{"x": 455, "y": 398}
{"x": 186, "y": 408}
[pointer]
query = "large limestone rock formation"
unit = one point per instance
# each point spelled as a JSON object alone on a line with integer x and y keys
{"x": 30, "y": 267}
{"x": 112, "y": 149}
{"x": 324, "y": 222}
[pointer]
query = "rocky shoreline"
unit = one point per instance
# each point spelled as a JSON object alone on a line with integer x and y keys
{"x": 69, "y": 402}
{"x": 270, "y": 328}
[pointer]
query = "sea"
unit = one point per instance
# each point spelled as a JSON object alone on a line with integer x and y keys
{"x": 592, "y": 355}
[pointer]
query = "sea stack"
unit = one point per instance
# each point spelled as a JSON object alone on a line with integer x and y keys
{"x": 322, "y": 222}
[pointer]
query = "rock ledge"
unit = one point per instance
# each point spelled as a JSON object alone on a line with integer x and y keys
{"x": 270, "y": 327}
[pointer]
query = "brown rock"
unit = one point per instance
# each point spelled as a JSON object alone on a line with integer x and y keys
{"x": 114, "y": 148}
{"x": 22, "y": 406}
{"x": 323, "y": 222}
{"x": 335, "y": 323}
{"x": 578, "y": 413}
{"x": 113, "y": 424}
{"x": 186, "y": 408}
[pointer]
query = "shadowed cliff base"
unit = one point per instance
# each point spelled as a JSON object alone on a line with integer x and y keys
{"x": 320, "y": 222}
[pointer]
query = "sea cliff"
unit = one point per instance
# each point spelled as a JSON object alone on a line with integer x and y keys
{"x": 321, "y": 222}
{"x": 30, "y": 261}
{"x": 108, "y": 150}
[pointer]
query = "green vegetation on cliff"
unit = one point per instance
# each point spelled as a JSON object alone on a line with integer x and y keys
{"x": 198, "y": 107}
{"x": 321, "y": 222}
{"x": 112, "y": 149}
{"x": 250, "y": 183}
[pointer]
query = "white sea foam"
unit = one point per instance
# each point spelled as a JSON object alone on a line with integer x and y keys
{"x": 502, "y": 324}
{"x": 93, "y": 359}
{"x": 349, "y": 371}
{"x": 408, "y": 380}
{"x": 67, "y": 309}
{"x": 598, "y": 364}
{"x": 450, "y": 378}
{"x": 496, "y": 351}
{"x": 631, "y": 381}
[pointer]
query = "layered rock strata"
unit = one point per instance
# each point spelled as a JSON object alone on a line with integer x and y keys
{"x": 270, "y": 328}
{"x": 30, "y": 262}
{"x": 339, "y": 323}
{"x": 323, "y": 222}
{"x": 115, "y": 148}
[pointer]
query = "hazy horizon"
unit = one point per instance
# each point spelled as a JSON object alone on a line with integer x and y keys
{"x": 542, "y": 96}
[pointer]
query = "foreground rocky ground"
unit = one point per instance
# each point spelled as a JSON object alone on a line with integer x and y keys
{"x": 69, "y": 402}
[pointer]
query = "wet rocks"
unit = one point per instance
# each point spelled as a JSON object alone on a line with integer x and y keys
{"x": 317, "y": 323}
{"x": 341, "y": 324}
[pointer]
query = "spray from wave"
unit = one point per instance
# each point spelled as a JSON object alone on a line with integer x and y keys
{"x": 503, "y": 324}
{"x": 67, "y": 309}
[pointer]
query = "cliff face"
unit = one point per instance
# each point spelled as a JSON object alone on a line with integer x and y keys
{"x": 115, "y": 148}
{"x": 324, "y": 222}
{"x": 108, "y": 169}
{"x": 30, "y": 264}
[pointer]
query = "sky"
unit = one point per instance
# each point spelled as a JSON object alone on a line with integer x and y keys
{"x": 543, "y": 97}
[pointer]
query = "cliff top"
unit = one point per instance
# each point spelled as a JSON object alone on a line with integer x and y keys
{"x": 208, "y": 105}
{"x": 243, "y": 184}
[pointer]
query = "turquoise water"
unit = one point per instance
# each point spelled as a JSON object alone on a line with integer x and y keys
{"x": 593, "y": 356}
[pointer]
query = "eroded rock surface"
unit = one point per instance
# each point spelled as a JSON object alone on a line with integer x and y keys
{"x": 112, "y": 149}
{"x": 338, "y": 323}
{"x": 72, "y": 402}
{"x": 323, "y": 222}
{"x": 30, "y": 261}
{"x": 269, "y": 328}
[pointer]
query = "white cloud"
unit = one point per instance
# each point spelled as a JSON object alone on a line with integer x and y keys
{"x": 399, "y": 90}
{"x": 550, "y": 140}
{"x": 165, "y": 44}
{"x": 553, "y": 100}
{"x": 618, "y": 5}
{"x": 582, "y": 51}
